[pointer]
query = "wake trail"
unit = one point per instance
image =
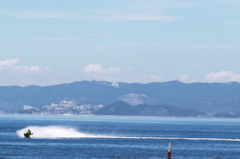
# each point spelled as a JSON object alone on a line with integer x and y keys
{"x": 173, "y": 138}
{"x": 52, "y": 132}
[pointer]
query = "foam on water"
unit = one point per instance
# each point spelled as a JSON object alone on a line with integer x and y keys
{"x": 53, "y": 132}
{"x": 68, "y": 132}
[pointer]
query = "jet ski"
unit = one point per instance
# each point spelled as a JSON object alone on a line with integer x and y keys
{"x": 28, "y": 134}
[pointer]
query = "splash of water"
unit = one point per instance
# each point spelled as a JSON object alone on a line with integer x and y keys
{"x": 68, "y": 132}
{"x": 53, "y": 132}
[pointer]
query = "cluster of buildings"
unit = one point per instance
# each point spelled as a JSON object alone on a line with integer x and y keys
{"x": 63, "y": 107}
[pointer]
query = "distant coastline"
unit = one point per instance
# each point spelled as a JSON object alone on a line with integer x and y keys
{"x": 120, "y": 116}
{"x": 172, "y": 98}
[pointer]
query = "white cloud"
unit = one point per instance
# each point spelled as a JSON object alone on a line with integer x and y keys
{"x": 94, "y": 68}
{"x": 94, "y": 15}
{"x": 33, "y": 69}
{"x": 115, "y": 69}
{"x": 155, "y": 77}
{"x": 8, "y": 63}
{"x": 99, "y": 69}
{"x": 32, "y": 14}
{"x": 128, "y": 69}
{"x": 183, "y": 77}
{"x": 162, "y": 4}
{"x": 223, "y": 76}
{"x": 183, "y": 45}
{"x": 147, "y": 16}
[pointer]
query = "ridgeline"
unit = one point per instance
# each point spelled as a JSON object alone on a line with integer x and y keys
{"x": 204, "y": 97}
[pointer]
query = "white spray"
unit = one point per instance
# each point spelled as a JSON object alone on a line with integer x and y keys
{"x": 68, "y": 132}
{"x": 53, "y": 132}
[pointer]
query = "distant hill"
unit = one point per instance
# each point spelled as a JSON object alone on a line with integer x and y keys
{"x": 122, "y": 108}
{"x": 207, "y": 97}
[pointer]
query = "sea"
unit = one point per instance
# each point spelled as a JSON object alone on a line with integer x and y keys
{"x": 118, "y": 137}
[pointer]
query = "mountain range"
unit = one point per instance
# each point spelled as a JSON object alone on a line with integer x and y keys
{"x": 205, "y": 97}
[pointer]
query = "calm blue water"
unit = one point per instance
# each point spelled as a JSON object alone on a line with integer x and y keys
{"x": 118, "y": 137}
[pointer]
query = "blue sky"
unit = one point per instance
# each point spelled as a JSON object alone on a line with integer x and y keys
{"x": 58, "y": 41}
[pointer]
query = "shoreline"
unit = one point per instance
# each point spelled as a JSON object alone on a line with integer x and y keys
{"x": 117, "y": 116}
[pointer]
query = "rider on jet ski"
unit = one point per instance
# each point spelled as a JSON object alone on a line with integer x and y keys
{"x": 28, "y": 133}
